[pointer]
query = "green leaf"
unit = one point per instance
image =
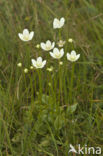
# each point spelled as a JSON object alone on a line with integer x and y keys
{"x": 45, "y": 99}
{"x": 72, "y": 109}
{"x": 44, "y": 143}
{"x": 59, "y": 122}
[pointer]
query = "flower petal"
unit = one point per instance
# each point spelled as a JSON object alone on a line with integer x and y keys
{"x": 25, "y": 32}
{"x": 62, "y": 21}
{"x": 53, "y": 44}
{"x": 52, "y": 54}
{"x": 43, "y": 46}
{"x": 20, "y": 36}
{"x": 31, "y": 35}
{"x": 77, "y": 57}
{"x": 44, "y": 63}
{"x": 55, "y": 23}
{"x": 55, "y": 50}
{"x": 73, "y": 53}
{"x": 68, "y": 56}
{"x": 48, "y": 43}
{"x": 39, "y": 59}
{"x": 62, "y": 52}
{"x": 33, "y": 62}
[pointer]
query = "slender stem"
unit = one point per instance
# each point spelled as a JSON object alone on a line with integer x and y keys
{"x": 60, "y": 82}
{"x": 40, "y": 85}
{"x": 27, "y": 54}
{"x": 59, "y": 34}
{"x": 71, "y": 84}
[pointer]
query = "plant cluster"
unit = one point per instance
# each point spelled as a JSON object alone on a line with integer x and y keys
{"x": 48, "y": 46}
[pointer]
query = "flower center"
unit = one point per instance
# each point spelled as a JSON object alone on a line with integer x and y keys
{"x": 26, "y": 37}
{"x": 39, "y": 64}
{"x": 58, "y": 23}
{"x": 61, "y": 44}
{"x": 72, "y": 58}
{"x": 58, "y": 55}
{"x": 48, "y": 47}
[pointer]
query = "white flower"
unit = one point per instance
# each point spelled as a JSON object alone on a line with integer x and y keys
{"x": 31, "y": 67}
{"x": 58, "y": 23}
{"x": 25, "y": 70}
{"x": 70, "y": 40}
{"x": 61, "y": 63}
{"x": 38, "y": 63}
{"x": 49, "y": 84}
{"x": 38, "y": 46}
{"x": 26, "y": 36}
{"x": 50, "y": 69}
{"x": 48, "y": 45}
{"x": 19, "y": 64}
{"x": 57, "y": 54}
{"x": 73, "y": 57}
{"x": 61, "y": 43}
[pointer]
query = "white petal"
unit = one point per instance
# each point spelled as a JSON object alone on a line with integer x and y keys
{"x": 62, "y": 21}
{"x": 39, "y": 59}
{"x": 77, "y": 57}
{"x": 62, "y": 52}
{"x": 20, "y": 36}
{"x": 44, "y": 63}
{"x": 68, "y": 56}
{"x": 48, "y": 43}
{"x": 73, "y": 53}
{"x": 52, "y": 54}
{"x": 33, "y": 62}
{"x": 55, "y": 50}
{"x": 43, "y": 46}
{"x": 53, "y": 44}
{"x": 55, "y": 23}
{"x": 31, "y": 35}
{"x": 25, "y": 32}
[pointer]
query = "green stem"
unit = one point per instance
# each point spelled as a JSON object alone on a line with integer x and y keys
{"x": 71, "y": 84}
{"x": 40, "y": 85}
{"x": 59, "y": 34}
{"x": 27, "y": 54}
{"x": 60, "y": 83}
